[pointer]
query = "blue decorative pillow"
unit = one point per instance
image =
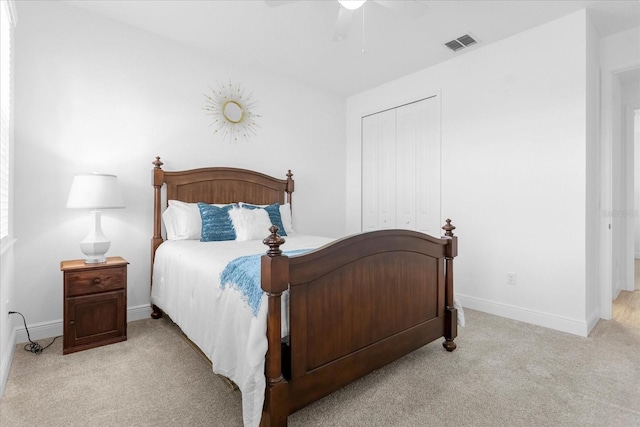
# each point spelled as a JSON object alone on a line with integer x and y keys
{"x": 216, "y": 223}
{"x": 274, "y": 215}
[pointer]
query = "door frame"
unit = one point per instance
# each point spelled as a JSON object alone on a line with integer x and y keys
{"x": 607, "y": 214}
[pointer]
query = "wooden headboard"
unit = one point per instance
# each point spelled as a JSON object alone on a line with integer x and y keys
{"x": 214, "y": 185}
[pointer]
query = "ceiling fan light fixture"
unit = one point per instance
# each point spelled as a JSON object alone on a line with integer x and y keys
{"x": 351, "y": 4}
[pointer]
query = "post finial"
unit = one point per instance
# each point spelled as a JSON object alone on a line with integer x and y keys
{"x": 273, "y": 241}
{"x": 157, "y": 164}
{"x": 448, "y": 228}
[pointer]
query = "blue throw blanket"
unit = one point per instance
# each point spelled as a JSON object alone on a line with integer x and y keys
{"x": 243, "y": 274}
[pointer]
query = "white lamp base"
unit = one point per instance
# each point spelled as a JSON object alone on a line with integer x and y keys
{"x": 96, "y": 244}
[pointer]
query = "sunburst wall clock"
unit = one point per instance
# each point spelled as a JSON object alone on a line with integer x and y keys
{"x": 232, "y": 111}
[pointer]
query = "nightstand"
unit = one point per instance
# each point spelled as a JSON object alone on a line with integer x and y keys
{"x": 95, "y": 303}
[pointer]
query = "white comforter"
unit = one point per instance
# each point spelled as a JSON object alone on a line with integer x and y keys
{"x": 186, "y": 286}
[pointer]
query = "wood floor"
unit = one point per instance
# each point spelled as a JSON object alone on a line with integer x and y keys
{"x": 626, "y": 308}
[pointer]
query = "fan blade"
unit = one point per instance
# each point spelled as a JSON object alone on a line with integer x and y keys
{"x": 409, "y": 8}
{"x": 342, "y": 24}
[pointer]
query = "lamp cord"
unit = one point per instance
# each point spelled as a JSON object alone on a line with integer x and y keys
{"x": 33, "y": 346}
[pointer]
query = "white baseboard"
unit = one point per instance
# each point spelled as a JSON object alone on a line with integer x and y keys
{"x": 38, "y": 331}
{"x": 593, "y": 319}
{"x": 139, "y": 312}
{"x": 54, "y": 329}
{"x": 559, "y": 323}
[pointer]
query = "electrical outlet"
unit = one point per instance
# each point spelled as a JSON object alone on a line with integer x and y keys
{"x": 511, "y": 279}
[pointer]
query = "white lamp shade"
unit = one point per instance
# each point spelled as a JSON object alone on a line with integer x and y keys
{"x": 95, "y": 191}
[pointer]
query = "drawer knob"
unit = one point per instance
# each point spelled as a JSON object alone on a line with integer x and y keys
{"x": 96, "y": 281}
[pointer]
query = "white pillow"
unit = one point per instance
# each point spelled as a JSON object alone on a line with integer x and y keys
{"x": 167, "y": 219}
{"x": 250, "y": 224}
{"x": 186, "y": 222}
{"x": 285, "y": 215}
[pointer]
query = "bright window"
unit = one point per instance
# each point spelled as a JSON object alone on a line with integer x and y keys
{"x": 7, "y": 22}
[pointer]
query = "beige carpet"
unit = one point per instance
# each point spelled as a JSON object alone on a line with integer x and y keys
{"x": 504, "y": 373}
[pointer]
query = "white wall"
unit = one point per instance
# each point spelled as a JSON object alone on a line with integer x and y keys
{"x": 514, "y": 162}
{"x": 94, "y": 94}
{"x": 7, "y": 248}
{"x": 7, "y": 331}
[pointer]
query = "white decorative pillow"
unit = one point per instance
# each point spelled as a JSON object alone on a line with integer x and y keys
{"x": 285, "y": 214}
{"x": 185, "y": 221}
{"x": 250, "y": 224}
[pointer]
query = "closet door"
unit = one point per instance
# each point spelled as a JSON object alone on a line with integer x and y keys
{"x": 418, "y": 166}
{"x": 401, "y": 168}
{"x": 408, "y": 138}
{"x": 378, "y": 171}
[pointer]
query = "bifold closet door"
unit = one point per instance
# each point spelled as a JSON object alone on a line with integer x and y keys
{"x": 418, "y": 166}
{"x": 378, "y": 171}
{"x": 401, "y": 168}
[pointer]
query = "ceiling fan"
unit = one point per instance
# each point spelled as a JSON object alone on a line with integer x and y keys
{"x": 409, "y": 8}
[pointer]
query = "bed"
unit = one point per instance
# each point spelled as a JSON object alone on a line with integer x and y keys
{"x": 328, "y": 312}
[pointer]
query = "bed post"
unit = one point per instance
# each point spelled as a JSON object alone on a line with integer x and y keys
{"x": 289, "y": 188}
{"x": 156, "y": 240}
{"x": 451, "y": 313}
{"x": 275, "y": 280}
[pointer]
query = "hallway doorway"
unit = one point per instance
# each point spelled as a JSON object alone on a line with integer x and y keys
{"x": 626, "y": 308}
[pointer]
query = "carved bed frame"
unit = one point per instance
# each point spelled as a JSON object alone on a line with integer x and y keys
{"x": 372, "y": 297}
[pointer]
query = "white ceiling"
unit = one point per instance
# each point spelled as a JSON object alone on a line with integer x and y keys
{"x": 295, "y": 37}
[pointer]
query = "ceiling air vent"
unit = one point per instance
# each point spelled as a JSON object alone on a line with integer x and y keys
{"x": 461, "y": 42}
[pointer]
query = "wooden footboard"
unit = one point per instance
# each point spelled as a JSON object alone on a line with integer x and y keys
{"x": 355, "y": 305}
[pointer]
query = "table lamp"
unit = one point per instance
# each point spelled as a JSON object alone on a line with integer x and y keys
{"x": 95, "y": 191}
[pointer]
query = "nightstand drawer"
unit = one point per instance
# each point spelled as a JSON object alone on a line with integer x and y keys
{"x": 96, "y": 280}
